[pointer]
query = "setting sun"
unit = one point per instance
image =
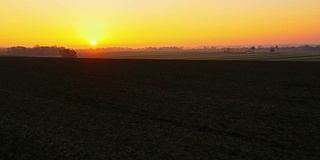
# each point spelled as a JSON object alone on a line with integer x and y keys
{"x": 93, "y": 42}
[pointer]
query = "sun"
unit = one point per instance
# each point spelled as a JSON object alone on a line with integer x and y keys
{"x": 93, "y": 42}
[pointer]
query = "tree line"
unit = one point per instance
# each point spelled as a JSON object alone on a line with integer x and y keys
{"x": 42, "y": 51}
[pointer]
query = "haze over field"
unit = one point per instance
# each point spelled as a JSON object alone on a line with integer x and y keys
{"x": 140, "y": 23}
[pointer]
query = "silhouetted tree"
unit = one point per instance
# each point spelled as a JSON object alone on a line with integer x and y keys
{"x": 68, "y": 53}
{"x": 227, "y": 50}
{"x": 253, "y": 49}
{"x": 308, "y": 48}
{"x": 272, "y": 50}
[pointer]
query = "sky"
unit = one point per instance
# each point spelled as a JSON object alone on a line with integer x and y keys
{"x": 141, "y": 23}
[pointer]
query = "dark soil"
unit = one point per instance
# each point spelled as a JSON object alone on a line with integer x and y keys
{"x": 158, "y": 109}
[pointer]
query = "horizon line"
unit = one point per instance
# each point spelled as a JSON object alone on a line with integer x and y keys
{"x": 180, "y": 46}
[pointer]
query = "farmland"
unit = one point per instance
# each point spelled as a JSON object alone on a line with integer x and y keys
{"x": 287, "y": 55}
{"x": 55, "y": 108}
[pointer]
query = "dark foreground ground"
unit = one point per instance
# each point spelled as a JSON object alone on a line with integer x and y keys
{"x": 152, "y": 109}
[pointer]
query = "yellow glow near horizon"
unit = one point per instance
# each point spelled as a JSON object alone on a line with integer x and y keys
{"x": 143, "y": 23}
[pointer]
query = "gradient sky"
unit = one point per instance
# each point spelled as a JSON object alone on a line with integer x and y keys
{"x": 140, "y": 23}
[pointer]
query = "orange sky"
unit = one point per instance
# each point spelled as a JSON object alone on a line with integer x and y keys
{"x": 140, "y": 23}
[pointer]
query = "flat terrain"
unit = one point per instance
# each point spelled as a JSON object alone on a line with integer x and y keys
{"x": 207, "y": 55}
{"x": 158, "y": 109}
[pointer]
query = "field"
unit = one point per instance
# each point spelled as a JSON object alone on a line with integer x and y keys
{"x": 55, "y": 108}
{"x": 286, "y": 55}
